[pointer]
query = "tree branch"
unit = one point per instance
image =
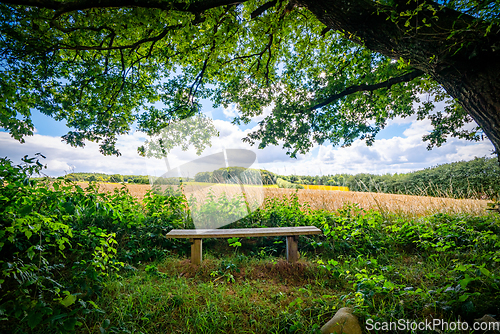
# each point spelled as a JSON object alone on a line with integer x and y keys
{"x": 69, "y": 6}
{"x": 260, "y": 54}
{"x": 262, "y": 9}
{"x": 199, "y": 79}
{"x": 369, "y": 88}
{"x": 153, "y": 39}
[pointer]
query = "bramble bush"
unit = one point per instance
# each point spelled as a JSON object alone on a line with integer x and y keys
{"x": 366, "y": 246}
{"x": 60, "y": 242}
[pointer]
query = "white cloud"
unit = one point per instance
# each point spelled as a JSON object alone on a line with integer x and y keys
{"x": 400, "y": 120}
{"x": 418, "y": 129}
{"x": 230, "y": 111}
{"x": 266, "y": 112}
{"x": 398, "y": 154}
{"x": 394, "y": 155}
{"x": 62, "y": 158}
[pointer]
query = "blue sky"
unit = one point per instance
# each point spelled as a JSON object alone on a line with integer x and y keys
{"x": 398, "y": 148}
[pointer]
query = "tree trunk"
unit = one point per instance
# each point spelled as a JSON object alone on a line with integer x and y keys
{"x": 466, "y": 65}
{"x": 476, "y": 85}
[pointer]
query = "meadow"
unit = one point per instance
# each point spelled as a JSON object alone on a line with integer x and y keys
{"x": 77, "y": 259}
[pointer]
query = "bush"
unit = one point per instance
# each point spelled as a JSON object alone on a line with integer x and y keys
{"x": 59, "y": 243}
{"x": 288, "y": 185}
{"x": 116, "y": 178}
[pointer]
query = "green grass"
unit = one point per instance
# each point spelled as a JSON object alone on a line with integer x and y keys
{"x": 236, "y": 293}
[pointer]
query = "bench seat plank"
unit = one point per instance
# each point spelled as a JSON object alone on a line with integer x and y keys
{"x": 244, "y": 232}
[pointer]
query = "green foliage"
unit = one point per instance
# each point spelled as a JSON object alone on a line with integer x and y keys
{"x": 116, "y": 178}
{"x": 154, "y": 63}
{"x": 101, "y": 177}
{"x": 477, "y": 178}
{"x": 196, "y": 132}
{"x": 61, "y": 242}
{"x": 362, "y": 237}
{"x": 354, "y": 230}
{"x": 495, "y": 206}
{"x": 50, "y": 266}
{"x": 244, "y": 175}
{"x": 226, "y": 271}
{"x": 288, "y": 185}
{"x": 203, "y": 177}
{"x": 218, "y": 211}
{"x": 153, "y": 270}
{"x": 328, "y": 180}
{"x": 236, "y": 175}
{"x": 234, "y": 242}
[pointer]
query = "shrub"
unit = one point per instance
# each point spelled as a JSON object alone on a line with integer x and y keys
{"x": 288, "y": 185}
{"x": 58, "y": 243}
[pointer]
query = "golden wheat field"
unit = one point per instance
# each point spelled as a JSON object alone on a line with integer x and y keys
{"x": 399, "y": 204}
{"x": 333, "y": 200}
{"x": 320, "y": 187}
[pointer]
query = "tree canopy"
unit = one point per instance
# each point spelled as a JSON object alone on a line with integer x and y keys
{"x": 329, "y": 71}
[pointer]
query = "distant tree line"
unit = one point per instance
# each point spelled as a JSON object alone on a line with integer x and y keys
{"x": 230, "y": 174}
{"x": 325, "y": 180}
{"x": 113, "y": 178}
{"x": 236, "y": 175}
{"x": 477, "y": 178}
{"x": 288, "y": 185}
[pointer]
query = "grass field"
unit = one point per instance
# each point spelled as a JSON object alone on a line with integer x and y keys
{"x": 334, "y": 200}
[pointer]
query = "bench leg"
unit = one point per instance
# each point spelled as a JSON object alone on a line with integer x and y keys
{"x": 292, "y": 248}
{"x": 196, "y": 249}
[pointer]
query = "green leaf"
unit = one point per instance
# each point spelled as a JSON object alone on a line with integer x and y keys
{"x": 464, "y": 282}
{"x": 105, "y": 323}
{"x": 31, "y": 252}
{"x": 68, "y": 300}
{"x": 69, "y": 324}
{"x": 34, "y": 318}
{"x": 389, "y": 285}
{"x": 485, "y": 272}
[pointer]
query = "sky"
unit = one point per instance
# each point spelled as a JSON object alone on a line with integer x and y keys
{"x": 397, "y": 149}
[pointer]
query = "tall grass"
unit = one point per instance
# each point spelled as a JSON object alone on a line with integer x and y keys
{"x": 333, "y": 200}
{"x": 388, "y": 203}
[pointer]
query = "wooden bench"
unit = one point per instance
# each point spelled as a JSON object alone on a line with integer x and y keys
{"x": 291, "y": 234}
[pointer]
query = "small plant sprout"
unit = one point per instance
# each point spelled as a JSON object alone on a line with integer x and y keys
{"x": 234, "y": 242}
